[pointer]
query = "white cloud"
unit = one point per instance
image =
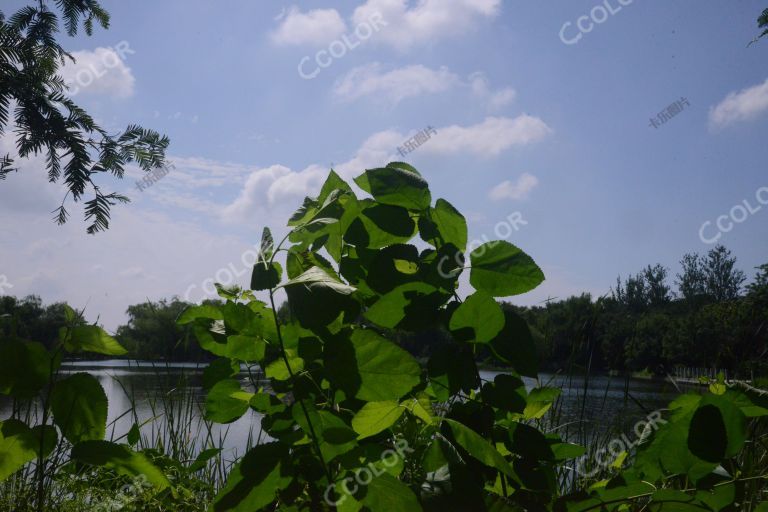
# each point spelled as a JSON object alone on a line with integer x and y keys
{"x": 744, "y": 105}
{"x": 395, "y": 85}
{"x": 428, "y": 20}
{"x": 494, "y": 99}
{"x": 275, "y": 190}
{"x": 518, "y": 190}
{"x": 491, "y": 137}
{"x": 101, "y": 71}
{"x": 316, "y": 27}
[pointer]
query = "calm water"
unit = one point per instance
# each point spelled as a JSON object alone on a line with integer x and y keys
{"x": 607, "y": 406}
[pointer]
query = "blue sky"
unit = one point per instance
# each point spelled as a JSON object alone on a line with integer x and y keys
{"x": 525, "y": 123}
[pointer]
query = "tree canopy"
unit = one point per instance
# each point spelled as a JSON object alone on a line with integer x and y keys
{"x": 34, "y": 103}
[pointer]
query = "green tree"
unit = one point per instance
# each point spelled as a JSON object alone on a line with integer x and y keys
{"x": 692, "y": 282}
{"x": 724, "y": 281}
{"x": 46, "y": 121}
{"x": 658, "y": 293}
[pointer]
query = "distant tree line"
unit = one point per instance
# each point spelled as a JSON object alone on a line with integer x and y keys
{"x": 704, "y": 317}
{"x": 709, "y": 319}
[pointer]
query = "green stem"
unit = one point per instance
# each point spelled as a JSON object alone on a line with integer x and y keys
{"x": 292, "y": 376}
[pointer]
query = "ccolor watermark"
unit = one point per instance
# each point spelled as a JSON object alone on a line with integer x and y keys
{"x": 502, "y": 230}
{"x": 153, "y": 177}
{"x": 620, "y": 445}
{"x": 417, "y": 140}
{"x": 227, "y": 276}
{"x": 738, "y": 214}
{"x": 339, "y": 47}
{"x": 668, "y": 113}
{"x": 108, "y": 58}
{"x": 364, "y": 476}
{"x": 586, "y": 23}
{"x": 4, "y": 283}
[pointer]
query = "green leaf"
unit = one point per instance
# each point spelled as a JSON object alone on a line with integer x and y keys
{"x": 452, "y": 368}
{"x": 267, "y": 246}
{"x": 539, "y": 401}
{"x": 25, "y": 368}
{"x": 335, "y": 437}
{"x": 480, "y": 315}
{"x": 246, "y": 348}
{"x": 501, "y": 269}
{"x": 396, "y": 186}
{"x": 387, "y": 494}
{"x": 717, "y": 429}
{"x": 379, "y": 225}
{"x": 515, "y": 345}
{"x": 376, "y": 417}
{"x": 446, "y": 223}
{"x": 18, "y": 446}
{"x": 386, "y": 371}
{"x": 479, "y": 448}
{"x": 121, "y": 459}
{"x": 317, "y": 298}
{"x": 218, "y": 370}
{"x": 226, "y": 402}
{"x": 134, "y": 435}
{"x": 205, "y": 311}
{"x": 92, "y": 338}
{"x": 266, "y": 275}
{"x": 408, "y": 306}
{"x": 202, "y": 459}
{"x": 255, "y": 481}
{"x": 79, "y": 407}
{"x": 278, "y": 370}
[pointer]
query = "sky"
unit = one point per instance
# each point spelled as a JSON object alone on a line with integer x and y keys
{"x": 597, "y": 137}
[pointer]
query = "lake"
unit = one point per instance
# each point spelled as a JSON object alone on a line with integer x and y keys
{"x": 607, "y": 407}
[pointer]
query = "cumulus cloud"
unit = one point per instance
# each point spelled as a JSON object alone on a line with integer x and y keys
{"x": 315, "y": 27}
{"x": 739, "y": 106}
{"x": 101, "y": 71}
{"x": 395, "y": 85}
{"x": 428, "y": 20}
{"x": 517, "y": 190}
{"x": 489, "y": 138}
{"x": 495, "y": 99}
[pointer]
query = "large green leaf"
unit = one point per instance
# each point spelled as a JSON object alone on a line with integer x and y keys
{"x": 92, "y": 338}
{"x": 25, "y": 368}
{"x": 255, "y": 481}
{"x": 387, "y": 494}
{"x": 479, "y": 318}
{"x": 375, "y": 417}
{"x": 515, "y": 346}
{"x": 479, "y": 448}
{"x": 444, "y": 225}
{"x": 334, "y": 436}
{"x": 205, "y": 311}
{"x": 18, "y": 446}
{"x": 266, "y": 275}
{"x": 121, "y": 459}
{"x": 408, "y": 306}
{"x": 396, "y": 186}
{"x": 501, "y": 269}
{"x": 79, "y": 407}
{"x": 370, "y": 367}
{"x": 226, "y": 402}
{"x": 452, "y": 368}
{"x": 317, "y": 298}
{"x": 379, "y": 225}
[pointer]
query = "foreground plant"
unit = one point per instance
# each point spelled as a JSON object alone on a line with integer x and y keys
{"x": 356, "y": 423}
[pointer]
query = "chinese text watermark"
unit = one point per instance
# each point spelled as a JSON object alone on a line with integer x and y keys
{"x": 668, "y": 113}
{"x": 416, "y": 141}
{"x": 153, "y": 177}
